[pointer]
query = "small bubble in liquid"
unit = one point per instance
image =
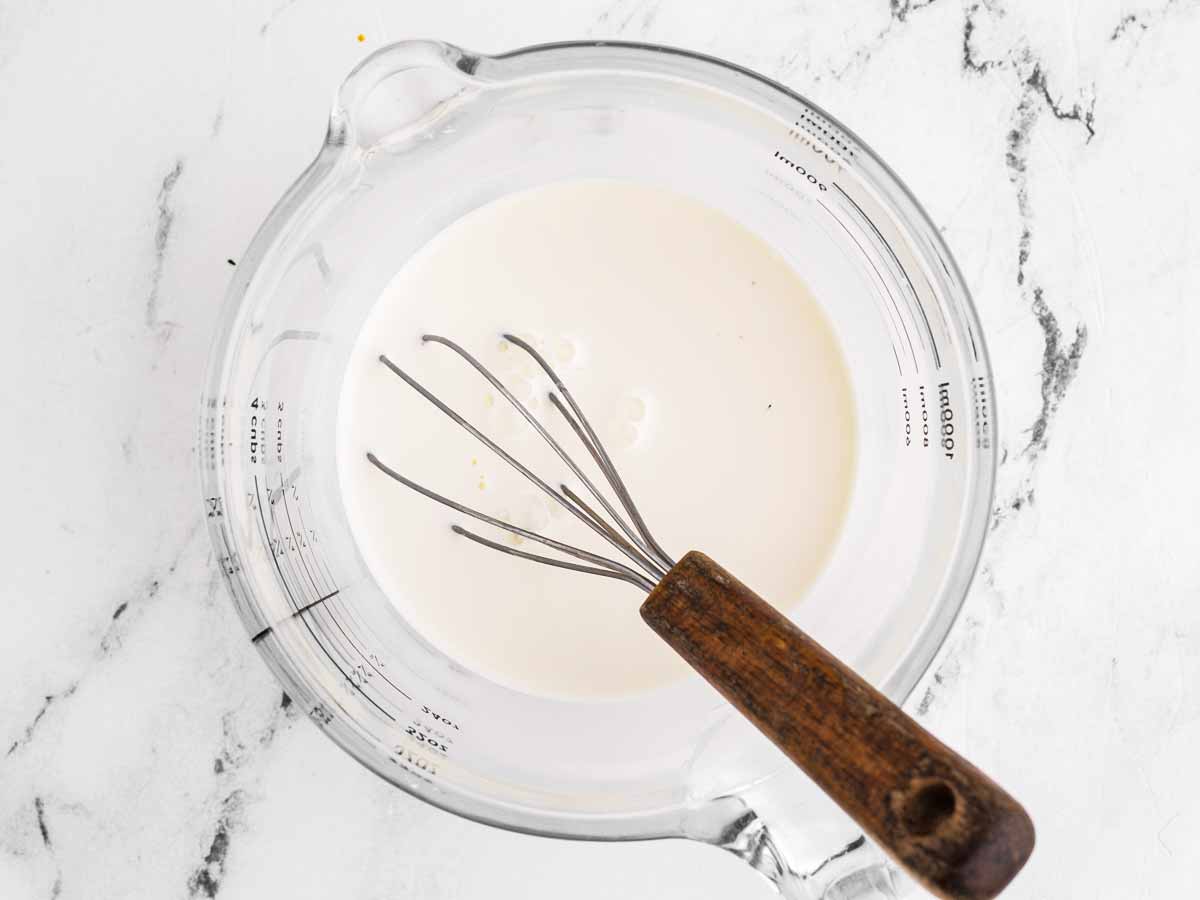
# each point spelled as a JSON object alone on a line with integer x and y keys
{"x": 635, "y": 408}
{"x": 564, "y": 350}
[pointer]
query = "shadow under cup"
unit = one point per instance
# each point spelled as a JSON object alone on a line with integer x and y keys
{"x": 421, "y": 134}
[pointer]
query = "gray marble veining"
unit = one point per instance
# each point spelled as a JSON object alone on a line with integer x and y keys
{"x": 146, "y": 750}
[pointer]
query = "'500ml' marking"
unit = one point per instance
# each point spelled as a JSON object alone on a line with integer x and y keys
{"x": 801, "y": 171}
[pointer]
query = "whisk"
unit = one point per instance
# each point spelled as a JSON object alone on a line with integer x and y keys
{"x": 946, "y": 822}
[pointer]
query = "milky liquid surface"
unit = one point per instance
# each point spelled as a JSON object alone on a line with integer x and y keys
{"x": 707, "y": 368}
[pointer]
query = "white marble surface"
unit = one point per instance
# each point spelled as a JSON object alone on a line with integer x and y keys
{"x": 143, "y": 748}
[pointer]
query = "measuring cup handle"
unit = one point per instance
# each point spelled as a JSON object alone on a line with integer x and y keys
{"x": 950, "y": 826}
{"x": 800, "y": 842}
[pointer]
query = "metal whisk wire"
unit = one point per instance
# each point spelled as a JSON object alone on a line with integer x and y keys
{"x": 634, "y": 541}
{"x": 646, "y": 552}
{"x": 609, "y": 567}
{"x": 596, "y": 449}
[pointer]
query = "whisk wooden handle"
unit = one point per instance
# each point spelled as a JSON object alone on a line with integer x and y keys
{"x": 953, "y": 828}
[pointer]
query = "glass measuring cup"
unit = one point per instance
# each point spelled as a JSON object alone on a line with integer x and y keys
{"x": 422, "y": 133}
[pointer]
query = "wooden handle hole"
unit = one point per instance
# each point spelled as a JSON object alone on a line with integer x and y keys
{"x": 929, "y": 807}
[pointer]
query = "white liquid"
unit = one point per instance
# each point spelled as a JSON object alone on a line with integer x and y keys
{"x": 709, "y": 372}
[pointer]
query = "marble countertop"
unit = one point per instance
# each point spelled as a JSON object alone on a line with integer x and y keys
{"x": 145, "y": 751}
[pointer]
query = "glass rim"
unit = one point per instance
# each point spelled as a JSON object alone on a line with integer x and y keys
{"x": 563, "y": 58}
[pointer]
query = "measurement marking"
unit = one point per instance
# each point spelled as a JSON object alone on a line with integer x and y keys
{"x": 937, "y": 359}
{"x": 322, "y": 568}
{"x": 267, "y": 534}
{"x": 366, "y": 657}
{"x": 959, "y": 308}
{"x": 288, "y": 585}
{"x": 938, "y": 306}
{"x": 280, "y": 497}
{"x": 292, "y": 530}
{"x": 262, "y": 634}
{"x": 309, "y": 606}
{"x": 898, "y": 318}
{"x": 328, "y": 583}
{"x": 318, "y": 562}
{"x": 284, "y": 555}
{"x": 358, "y": 687}
{"x": 232, "y": 557}
{"x": 287, "y": 511}
{"x": 326, "y": 575}
{"x": 399, "y": 690}
{"x": 229, "y": 554}
{"x": 349, "y": 617}
{"x": 285, "y": 483}
{"x": 288, "y": 591}
{"x": 348, "y": 612}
